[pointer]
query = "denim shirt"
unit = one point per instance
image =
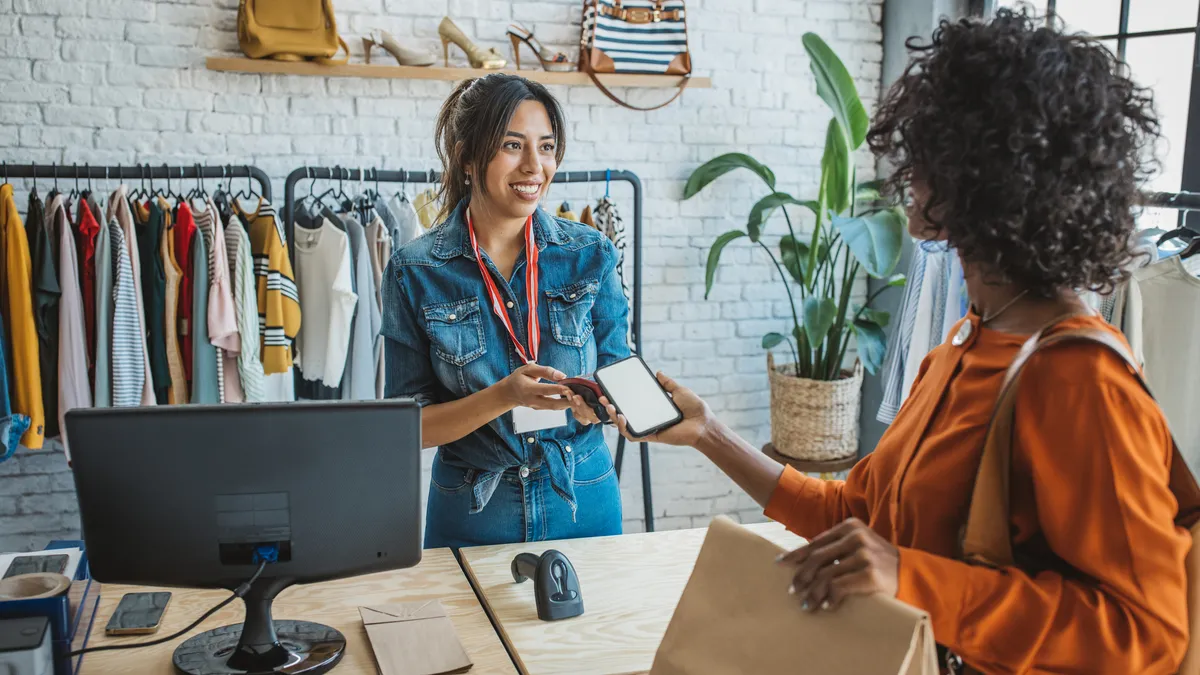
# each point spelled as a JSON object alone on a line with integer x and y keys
{"x": 442, "y": 341}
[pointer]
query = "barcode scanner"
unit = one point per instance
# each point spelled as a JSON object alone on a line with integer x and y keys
{"x": 556, "y": 588}
{"x": 590, "y": 392}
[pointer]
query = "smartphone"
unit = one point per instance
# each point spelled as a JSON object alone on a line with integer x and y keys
{"x": 138, "y": 613}
{"x": 632, "y": 388}
{"x": 31, "y": 564}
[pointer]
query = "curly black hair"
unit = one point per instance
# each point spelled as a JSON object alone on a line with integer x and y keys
{"x": 1030, "y": 145}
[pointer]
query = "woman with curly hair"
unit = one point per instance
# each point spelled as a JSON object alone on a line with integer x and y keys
{"x": 1021, "y": 147}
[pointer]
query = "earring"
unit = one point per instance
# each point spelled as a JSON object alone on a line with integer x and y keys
{"x": 468, "y": 181}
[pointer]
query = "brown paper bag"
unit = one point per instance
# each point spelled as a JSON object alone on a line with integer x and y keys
{"x": 736, "y": 616}
{"x": 414, "y": 638}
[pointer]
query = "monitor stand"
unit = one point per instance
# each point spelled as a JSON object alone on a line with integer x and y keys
{"x": 261, "y": 646}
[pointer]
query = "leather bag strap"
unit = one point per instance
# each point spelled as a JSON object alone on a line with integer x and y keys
{"x": 333, "y": 60}
{"x": 599, "y": 85}
{"x": 986, "y": 535}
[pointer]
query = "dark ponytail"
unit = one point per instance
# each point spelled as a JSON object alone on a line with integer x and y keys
{"x": 471, "y": 127}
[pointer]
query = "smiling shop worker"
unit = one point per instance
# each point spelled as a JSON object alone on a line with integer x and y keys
{"x": 478, "y": 326}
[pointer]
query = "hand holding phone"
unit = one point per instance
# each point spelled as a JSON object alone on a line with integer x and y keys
{"x": 138, "y": 614}
{"x": 637, "y": 395}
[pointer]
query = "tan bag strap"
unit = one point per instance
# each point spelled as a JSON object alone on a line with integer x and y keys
{"x": 986, "y": 536}
{"x": 596, "y": 81}
{"x": 333, "y": 60}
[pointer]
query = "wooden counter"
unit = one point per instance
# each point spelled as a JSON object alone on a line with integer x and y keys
{"x": 333, "y": 603}
{"x": 630, "y": 587}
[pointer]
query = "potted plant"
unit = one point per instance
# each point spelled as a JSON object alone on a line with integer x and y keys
{"x": 814, "y": 399}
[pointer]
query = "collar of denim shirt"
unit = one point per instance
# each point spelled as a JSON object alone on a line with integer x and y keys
{"x": 454, "y": 240}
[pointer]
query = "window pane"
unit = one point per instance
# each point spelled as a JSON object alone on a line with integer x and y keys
{"x": 1098, "y": 17}
{"x": 1164, "y": 63}
{"x": 1037, "y": 7}
{"x": 1160, "y": 14}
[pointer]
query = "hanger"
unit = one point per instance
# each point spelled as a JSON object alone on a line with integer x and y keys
{"x": 74, "y": 193}
{"x": 249, "y": 194}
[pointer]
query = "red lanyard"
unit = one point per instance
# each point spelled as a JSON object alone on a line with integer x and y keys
{"x": 531, "y": 291}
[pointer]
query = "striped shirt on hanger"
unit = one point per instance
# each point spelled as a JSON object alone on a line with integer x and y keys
{"x": 245, "y": 302}
{"x": 128, "y": 355}
{"x": 278, "y": 301}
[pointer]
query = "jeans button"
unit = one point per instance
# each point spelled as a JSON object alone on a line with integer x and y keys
{"x": 524, "y": 472}
{"x": 568, "y": 448}
{"x": 530, "y": 439}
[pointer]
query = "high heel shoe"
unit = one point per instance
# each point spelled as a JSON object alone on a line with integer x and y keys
{"x": 550, "y": 59}
{"x": 488, "y": 59}
{"x": 404, "y": 55}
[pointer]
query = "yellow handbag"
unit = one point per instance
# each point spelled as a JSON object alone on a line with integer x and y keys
{"x": 290, "y": 30}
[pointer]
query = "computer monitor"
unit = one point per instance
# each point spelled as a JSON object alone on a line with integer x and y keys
{"x": 196, "y": 495}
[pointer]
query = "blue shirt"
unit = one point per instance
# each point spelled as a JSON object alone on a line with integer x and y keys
{"x": 442, "y": 342}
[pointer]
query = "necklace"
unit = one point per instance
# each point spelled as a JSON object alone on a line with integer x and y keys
{"x": 986, "y": 318}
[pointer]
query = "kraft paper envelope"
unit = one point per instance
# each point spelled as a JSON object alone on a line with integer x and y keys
{"x": 736, "y": 616}
{"x": 414, "y": 638}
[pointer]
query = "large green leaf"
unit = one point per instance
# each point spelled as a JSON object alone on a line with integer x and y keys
{"x": 719, "y": 166}
{"x": 878, "y": 316}
{"x": 897, "y": 280}
{"x": 872, "y": 344}
{"x": 819, "y": 315}
{"x": 874, "y": 239}
{"x": 766, "y": 206}
{"x": 714, "y": 257}
{"x": 836, "y": 87}
{"x": 794, "y": 256}
{"x": 837, "y": 170}
{"x": 772, "y": 340}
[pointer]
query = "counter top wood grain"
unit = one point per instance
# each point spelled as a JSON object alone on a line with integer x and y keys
{"x": 630, "y": 587}
{"x": 333, "y": 603}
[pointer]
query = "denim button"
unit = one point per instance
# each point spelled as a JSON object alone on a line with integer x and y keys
{"x": 510, "y": 304}
{"x": 572, "y": 297}
{"x": 524, "y": 472}
{"x": 452, "y": 317}
{"x": 531, "y": 439}
{"x": 568, "y": 448}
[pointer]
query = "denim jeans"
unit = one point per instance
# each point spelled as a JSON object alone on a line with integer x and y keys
{"x": 523, "y": 508}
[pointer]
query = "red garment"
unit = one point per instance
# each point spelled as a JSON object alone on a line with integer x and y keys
{"x": 86, "y": 243}
{"x": 185, "y": 229}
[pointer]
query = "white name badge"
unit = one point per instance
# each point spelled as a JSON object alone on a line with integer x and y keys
{"x": 528, "y": 419}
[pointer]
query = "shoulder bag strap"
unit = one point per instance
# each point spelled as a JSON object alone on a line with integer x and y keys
{"x": 599, "y": 85}
{"x": 986, "y": 535}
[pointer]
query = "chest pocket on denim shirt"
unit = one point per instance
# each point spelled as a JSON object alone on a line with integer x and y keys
{"x": 456, "y": 330}
{"x": 571, "y": 312}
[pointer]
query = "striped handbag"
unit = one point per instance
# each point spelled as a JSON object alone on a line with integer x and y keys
{"x": 647, "y": 37}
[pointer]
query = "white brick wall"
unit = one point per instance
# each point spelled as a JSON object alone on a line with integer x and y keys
{"x": 123, "y": 81}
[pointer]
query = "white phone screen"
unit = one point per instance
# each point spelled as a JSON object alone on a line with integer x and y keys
{"x": 636, "y": 393}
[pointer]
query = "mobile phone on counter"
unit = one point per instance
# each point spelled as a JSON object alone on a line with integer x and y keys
{"x": 633, "y": 389}
{"x": 138, "y": 613}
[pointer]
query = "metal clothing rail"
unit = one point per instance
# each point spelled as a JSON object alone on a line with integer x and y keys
{"x": 71, "y": 172}
{"x": 1172, "y": 200}
{"x": 568, "y": 177}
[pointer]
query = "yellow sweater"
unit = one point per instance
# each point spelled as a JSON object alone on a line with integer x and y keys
{"x": 18, "y": 299}
{"x": 278, "y": 301}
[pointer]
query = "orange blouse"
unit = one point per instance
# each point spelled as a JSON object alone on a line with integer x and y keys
{"x": 1089, "y": 489}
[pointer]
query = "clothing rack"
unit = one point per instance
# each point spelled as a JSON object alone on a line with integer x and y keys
{"x": 73, "y": 172}
{"x": 430, "y": 177}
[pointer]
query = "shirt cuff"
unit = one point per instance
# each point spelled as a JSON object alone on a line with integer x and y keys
{"x": 798, "y": 502}
{"x": 936, "y": 585}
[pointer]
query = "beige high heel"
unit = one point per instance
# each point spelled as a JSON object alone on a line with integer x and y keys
{"x": 488, "y": 59}
{"x": 404, "y": 55}
{"x": 550, "y": 59}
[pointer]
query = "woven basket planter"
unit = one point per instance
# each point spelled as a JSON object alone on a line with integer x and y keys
{"x": 814, "y": 420}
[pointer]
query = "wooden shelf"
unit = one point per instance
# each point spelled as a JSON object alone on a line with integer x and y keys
{"x": 244, "y": 65}
{"x": 830, "y": 467}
